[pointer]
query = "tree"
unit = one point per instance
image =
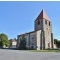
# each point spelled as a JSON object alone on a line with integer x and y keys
{"x": 23, "y": 43}
{"x": 4, "y": 40}
{"x": 57, "y": 42}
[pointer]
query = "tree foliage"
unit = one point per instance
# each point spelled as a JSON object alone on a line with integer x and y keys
{"x": 23, "y": 43}
{"x": 57, "y": 42}
{"x": 4, "y": 39}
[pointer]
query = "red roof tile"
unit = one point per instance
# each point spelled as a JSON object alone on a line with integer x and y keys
{"x": 42, "y": 15}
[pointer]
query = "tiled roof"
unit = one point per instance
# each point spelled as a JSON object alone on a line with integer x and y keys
{"x": 42, "y": 15}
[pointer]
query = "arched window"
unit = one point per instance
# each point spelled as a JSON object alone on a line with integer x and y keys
{"x": 38, "y": 22}
{"x": 45, "y": 22}
{"x": 49, "y": 23}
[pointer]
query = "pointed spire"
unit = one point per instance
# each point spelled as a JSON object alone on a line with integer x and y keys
{"x": 42, "y": 15}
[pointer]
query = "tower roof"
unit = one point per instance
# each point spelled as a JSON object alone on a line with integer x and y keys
{"x": 42, "y": 15}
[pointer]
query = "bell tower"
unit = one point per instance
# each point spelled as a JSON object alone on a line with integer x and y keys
{"x": 39, "y": 22}
{"x": 44, "y": 24}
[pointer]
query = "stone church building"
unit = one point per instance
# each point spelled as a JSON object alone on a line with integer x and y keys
{"x": 42, "y": 36}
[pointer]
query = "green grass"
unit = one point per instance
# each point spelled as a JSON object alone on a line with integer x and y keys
{"x": 43, "y": 50}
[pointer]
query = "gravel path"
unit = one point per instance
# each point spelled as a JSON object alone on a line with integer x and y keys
{"x": 26, "y": 55}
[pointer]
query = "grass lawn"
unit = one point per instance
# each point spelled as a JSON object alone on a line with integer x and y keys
{"x": 43, "y": 50}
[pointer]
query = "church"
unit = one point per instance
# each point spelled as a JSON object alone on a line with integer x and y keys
{"x": 42, "y": 37}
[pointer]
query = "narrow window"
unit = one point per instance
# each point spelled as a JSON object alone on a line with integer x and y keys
{"x": 32, "y": 43}
{"x": 38, "y": 22}
{"x": 32, "y": 38}
{"x": 49, "y": 23}
{"x": 45, "y": 22}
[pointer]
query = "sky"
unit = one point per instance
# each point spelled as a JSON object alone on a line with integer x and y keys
{"x": 18, "y": 17}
